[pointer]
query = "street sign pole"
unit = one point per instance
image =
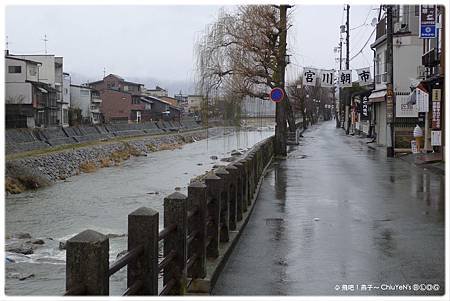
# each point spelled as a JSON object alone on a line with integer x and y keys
{"x": 390, "y": 117}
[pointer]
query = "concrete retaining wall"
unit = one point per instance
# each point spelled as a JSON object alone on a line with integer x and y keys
{"x": 23, "y": 140}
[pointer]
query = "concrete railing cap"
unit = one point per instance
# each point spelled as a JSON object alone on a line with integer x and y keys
{"x": 88, "y": 236}
{"x": 176, "y": 196}
{"x": 144, "y": 211}
{"x": 197, "y": 185}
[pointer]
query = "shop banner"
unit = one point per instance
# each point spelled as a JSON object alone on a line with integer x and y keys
{"x": 403, "y": 108}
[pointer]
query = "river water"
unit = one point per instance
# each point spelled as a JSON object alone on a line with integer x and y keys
{"x": 101, "y": 201}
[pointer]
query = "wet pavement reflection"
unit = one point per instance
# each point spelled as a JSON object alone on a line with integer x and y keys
{"x": 336, "y": 215}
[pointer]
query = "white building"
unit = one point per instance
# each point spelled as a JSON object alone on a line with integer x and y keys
{"x": 194, "y": 103}
{"x": 28, "y": 101}
{"x": 88, "y": 101}
{"x": 407, "y": 57}
{"x": 51, "y": 72}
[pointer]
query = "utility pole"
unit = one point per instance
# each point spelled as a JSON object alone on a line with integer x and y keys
{"x": 338, "y": 123}
{"x": 280, "y": 109}
{"x": 347, "y": 30}
{"x": 347, "y": 65}
{"x": 390, "y": 117}
{"x": 442, "y": 74}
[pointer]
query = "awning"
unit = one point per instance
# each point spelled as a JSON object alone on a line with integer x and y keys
{"x": 378, "y": 96}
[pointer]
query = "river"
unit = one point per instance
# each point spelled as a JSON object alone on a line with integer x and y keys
{"x": 101, "y": 201}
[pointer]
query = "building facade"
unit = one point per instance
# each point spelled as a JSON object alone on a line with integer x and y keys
{"x": 407, "y": 49}
{"x": 28, "y": 102}
{"x": 88, "y": 102}
{"x": 120, "y": 99}
{"x": 51, "y": 73}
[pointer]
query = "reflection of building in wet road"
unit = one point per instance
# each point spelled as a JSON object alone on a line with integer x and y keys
{"x": 337, "y": 218}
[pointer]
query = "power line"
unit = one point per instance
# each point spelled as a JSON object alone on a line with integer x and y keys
{"x": 365, "y": 44}
{"x": 360, "y": 35}
{"x": 365, "y": 20}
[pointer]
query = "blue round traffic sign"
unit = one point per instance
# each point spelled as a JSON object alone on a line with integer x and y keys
{"x": 277, "y": 94}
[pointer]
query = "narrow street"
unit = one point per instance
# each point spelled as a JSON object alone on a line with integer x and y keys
{"x": 337, "y": 214}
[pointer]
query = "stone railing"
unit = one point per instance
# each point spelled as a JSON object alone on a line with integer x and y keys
{"x": 198, "y": 232}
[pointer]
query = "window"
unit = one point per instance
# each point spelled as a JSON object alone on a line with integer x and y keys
{"x": 125, "y": 88}
{"x": 416, "y": 10}
{"x": 135, "y": 100}
{"x": 33, "y": 71}
{"x": 138, "y": 116}
{"x": 65, "y": 116}
{"x": 378, "y": 63}
{"x": 84, "y": 92}
{"x": 14, "y": 69}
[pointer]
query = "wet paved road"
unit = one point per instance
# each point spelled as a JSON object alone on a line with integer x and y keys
{"x": 337, "y": 213}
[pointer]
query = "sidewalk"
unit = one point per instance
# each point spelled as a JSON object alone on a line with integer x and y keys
{"x": 429, "y": 161}
{"x": 333, "y": 214}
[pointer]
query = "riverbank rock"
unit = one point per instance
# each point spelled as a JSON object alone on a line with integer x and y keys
{"x": 20, "y": 247}
{"x": 213, "y": 157}
{"x": 21, "y": 235}
{"x": 62, "y": 245}
{"x": 121, "y": 253}
{"x": 236, "y": 153}
{"x": 25, "y": 277}
{"x": 37, "y": 242}
{"x": 47, "y": 168}
{"x": 227, "y": 159}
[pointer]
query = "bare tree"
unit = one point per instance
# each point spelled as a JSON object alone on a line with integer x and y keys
{"x": 239, "y": 53}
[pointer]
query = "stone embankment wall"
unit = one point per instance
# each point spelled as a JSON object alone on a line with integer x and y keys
{"x": 42, "y": 170}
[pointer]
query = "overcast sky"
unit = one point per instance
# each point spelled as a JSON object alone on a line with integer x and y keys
{"x": 155, "y": 44}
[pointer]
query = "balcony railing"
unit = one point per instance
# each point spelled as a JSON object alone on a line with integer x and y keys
{"x": 429, "y": 59}
{"x": 96, "y": 99}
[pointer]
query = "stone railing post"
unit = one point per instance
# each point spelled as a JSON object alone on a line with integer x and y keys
{"x": 175, "y": 213}
{"x": 87, "y": 263}
{"x": 240, "y": 192}
{"x": 246, "y": 183}
{"x": 252, "y": 176}
{"x": 198, "y": 197}
{"x": 143, "y": 229}
{"x": 225, "y": 204}
{"x": 233, "y": 194}
{"x": 213, "y": 188}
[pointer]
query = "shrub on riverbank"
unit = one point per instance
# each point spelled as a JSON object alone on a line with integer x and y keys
{"x": 88, "y": 167}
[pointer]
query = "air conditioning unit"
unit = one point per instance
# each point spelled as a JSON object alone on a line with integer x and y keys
{"x": 421, "y": 72}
